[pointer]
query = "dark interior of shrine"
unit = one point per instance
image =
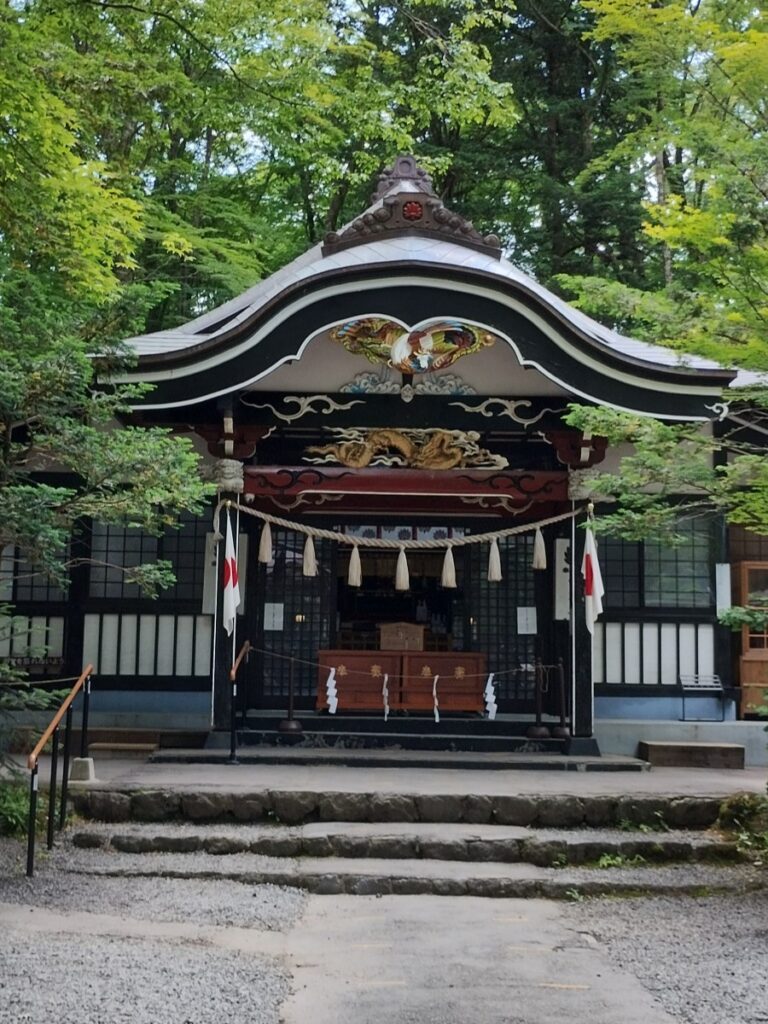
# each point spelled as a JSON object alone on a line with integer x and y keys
{"x": 363, "y": 610}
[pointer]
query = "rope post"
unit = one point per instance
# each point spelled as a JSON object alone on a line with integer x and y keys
{"x": 290, "y": 726}
{"x": 561, "y": 731}
{"x": 84, "y": 722}
{"x": 32, "y": 821}
{"x": 52, "y": 787}
{"x": 538, "y": 731}
{"x": 65, "y": 768}
{"x": 233, "y": 726}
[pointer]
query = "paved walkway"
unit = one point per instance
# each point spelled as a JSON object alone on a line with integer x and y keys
{"x": 414, "y": 960}
{"x": 136, "y": 774}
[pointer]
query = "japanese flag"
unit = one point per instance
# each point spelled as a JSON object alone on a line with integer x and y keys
{"x": 230, "y": 582}
{"x": 593, "y": 581}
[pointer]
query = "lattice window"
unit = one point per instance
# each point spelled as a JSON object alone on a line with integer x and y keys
{"x": 650, "y": 574}
{"x": 308, "y": 610}
{"x": 492, "y": 614}
{"x": 21, "y": 581}
{"x": 121, "y": 546}
{"x": 620, "y": 562}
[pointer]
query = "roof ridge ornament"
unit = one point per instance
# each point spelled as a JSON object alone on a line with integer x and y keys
{"x": 409, "y": 211}
{"x": 405, "y": 168}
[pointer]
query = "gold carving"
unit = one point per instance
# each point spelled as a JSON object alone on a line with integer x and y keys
{"x": 342, "y": 670}
{"x": 357, "y": 448}
{"x": 432, "y": 345}
{"x": 426, "y": 671}
{"x": 376, "y": 671}
{"x": 459, "y": 672}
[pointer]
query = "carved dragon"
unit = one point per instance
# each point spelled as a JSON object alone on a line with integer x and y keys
{"x": 419, "y": 449}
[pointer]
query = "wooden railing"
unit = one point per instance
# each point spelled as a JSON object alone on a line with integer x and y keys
{"x": 243, "y": 655}
{"x": 52, "y": 733}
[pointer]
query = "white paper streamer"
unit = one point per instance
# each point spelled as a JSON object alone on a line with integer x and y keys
{"x": 448, "y": 579}
{"x": 309, "y": 562}
{"x": 434, "y": 699}
{"x": 265, "y": 544}
{"x": 539, "y": 550}
{"x": 491, "y": 707}
{"x": 494, "y": 562}
{"x": 355, "y": 574}
{"x": 385, "y": 696}
{"x": 331, "y": 692}
{"x": 402, "y": 580}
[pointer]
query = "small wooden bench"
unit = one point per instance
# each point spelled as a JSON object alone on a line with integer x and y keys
{"x": 696, "y": 685}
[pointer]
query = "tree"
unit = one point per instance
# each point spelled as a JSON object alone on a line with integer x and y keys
{"x": 697, "y": 71}
{"x": 67, "y": 235}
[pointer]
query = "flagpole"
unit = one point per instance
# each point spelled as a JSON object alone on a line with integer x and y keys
{"x": 574, "y": 564}
{"x": 215, "y": 624}
{"x": 237, "y": 563}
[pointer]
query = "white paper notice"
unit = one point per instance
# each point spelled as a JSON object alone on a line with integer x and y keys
{"x": 274, "y": 615}
{"x": 526, "y": 621}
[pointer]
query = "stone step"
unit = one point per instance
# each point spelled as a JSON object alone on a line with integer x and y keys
{"x": 423, "y": 723}
{"x": 393, "y": 757}
{"x": 425, "y": 841}
{"x": 449, "y": 739}
{"x": 294, "y": 807}
{"x": 112, "y": 750}
{"x": 375, "y": 876}
{"x": 692, "y": 755}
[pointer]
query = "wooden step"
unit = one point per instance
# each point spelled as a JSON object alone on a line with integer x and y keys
{"x": 691, "y": 755}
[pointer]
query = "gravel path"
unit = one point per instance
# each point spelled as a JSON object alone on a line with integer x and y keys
{"x": 705, "y": 959}
{"x": 86, "y": 979}
{"x": 108, "y": 980}
{"x": 199, "y": 901}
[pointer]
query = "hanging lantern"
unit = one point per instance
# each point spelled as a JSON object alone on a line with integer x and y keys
{"x": 449, "y": 570}
{"x": 494, "y": 562}
{"x": 402, "y": 579}
{"x": 309, "y": 567}
{"x": 355, "y": 572}
{"x": 265, "y": 544}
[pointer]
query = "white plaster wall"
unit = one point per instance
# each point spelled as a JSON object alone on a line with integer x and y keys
{"x": 325, "y": 366}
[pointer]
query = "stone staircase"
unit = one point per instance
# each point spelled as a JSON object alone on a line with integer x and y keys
{"x": 403, "y": 731}
{"x": 378, "y": 843}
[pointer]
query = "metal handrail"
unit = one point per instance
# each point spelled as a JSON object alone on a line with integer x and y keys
{"x": 52, "y": 732}
{"x": 81, "y": 682}
{"x": 243, "y": 654}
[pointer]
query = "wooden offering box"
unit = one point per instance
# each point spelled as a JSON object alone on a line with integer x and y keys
{"x": 359, "y": 679}
{"x": 460, "y": 687}
{"x": 401, "y": 636}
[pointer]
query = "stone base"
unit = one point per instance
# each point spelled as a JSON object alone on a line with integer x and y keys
{"x": 81, "y": 769}
{"x": 692, "y": 755}
{"x": 582, "y": 746}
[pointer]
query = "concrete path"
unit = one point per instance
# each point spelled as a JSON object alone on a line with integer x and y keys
{"x": 445, "y": 961}
{"x": 431, "y": 960}
{"x": 317, "y": 779}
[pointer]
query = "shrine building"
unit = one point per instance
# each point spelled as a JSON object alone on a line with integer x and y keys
{"x": 402, "y": 387}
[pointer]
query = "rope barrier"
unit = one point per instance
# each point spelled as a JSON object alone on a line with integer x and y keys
{"x": 367, "y": 675}
{"x": 390, "y": 545}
